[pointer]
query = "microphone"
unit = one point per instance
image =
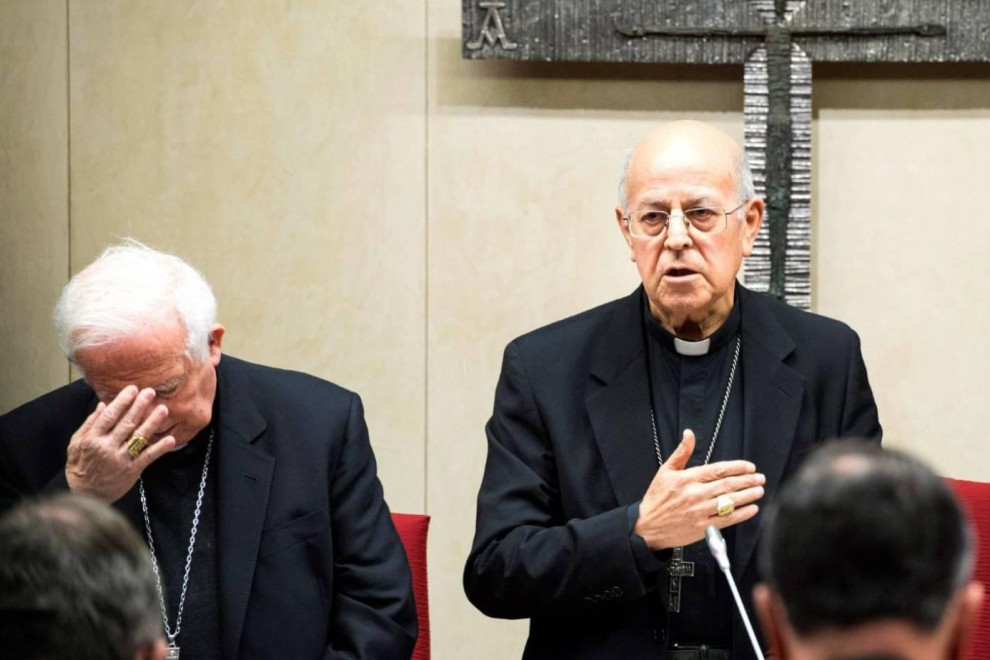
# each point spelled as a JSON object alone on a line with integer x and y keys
{"x": 716, "y": 544}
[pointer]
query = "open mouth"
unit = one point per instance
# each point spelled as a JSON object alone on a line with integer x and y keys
{"x": 680, "y": 272}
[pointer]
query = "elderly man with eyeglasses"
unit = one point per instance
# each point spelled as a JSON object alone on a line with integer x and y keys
{"x": 619, "y": 434}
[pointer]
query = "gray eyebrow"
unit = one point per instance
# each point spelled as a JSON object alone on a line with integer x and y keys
{"x": 170, "y": 384}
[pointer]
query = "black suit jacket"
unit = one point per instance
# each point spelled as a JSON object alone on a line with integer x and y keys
{"x": 570, "y": 447}
{"x": 310, "y": 565}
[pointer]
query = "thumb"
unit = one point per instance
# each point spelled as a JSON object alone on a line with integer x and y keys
{"x": 679, "y": 459}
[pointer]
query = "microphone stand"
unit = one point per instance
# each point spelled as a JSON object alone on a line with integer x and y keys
{"x": 716, "y": 544}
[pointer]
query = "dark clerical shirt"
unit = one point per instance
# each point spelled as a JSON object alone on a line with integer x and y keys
{"x": 688, "y": 392}
{"x": 172, "y": 484}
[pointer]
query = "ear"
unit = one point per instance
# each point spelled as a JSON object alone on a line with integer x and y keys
{"x": 971, "y": 602}
{"x": 215, "y": 341}
{"x": 755, "y": 209}
{"x": 619, "y": 215}
{"x": 773, "y": 620}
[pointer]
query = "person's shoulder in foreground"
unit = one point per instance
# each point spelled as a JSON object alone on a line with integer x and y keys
{"x": 866, "y": 553}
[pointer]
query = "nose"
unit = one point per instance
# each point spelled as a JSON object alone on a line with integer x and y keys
{"x": 678, "y": 236}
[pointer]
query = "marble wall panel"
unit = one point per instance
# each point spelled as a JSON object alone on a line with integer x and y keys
{"x": 902, "y": 256}
{"x": 34, "y": 208}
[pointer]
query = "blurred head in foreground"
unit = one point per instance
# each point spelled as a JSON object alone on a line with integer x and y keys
{"x": 866, "y": 555}
{"x": 75, "y": 582}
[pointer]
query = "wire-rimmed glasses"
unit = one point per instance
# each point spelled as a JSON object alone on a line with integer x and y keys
{"x": 650, "y": 223}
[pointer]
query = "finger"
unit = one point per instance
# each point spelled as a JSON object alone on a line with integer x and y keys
{"x": 148, "y": 428}
{"x": 723, "y": 469}
{"x": 134, "y": 416}
{"x": 731, "y": 485}
{"x": 154, "y": 451}
{"x": 679, "y": 459}
{"x": 742, "y": 514}
{"x": 747, "y": 496}
{"x": 113, "y": 412}
{"x": 154, "y": 422}
{"x": 739, "y": 499}
{"x": 93, "y": 416}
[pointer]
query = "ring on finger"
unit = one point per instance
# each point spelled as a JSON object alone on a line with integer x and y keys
{"x": 136, "y": 445}
{"x": 724, "y": 505}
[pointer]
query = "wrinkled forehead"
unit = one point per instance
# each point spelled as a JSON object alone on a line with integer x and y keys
{"x": 683, "y": 166}
{"x": 145, "y": 360}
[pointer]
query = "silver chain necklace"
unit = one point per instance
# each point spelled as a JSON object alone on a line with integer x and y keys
{"x": 173, "y": 649}
{"x": 677, "y": 567}
{"x": 721, "y": 412}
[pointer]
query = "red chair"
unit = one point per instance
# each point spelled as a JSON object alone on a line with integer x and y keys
{"x": 412, "y": 530}
{"x": 975, "y": 497}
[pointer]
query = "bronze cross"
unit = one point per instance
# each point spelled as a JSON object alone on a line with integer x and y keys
{"x": 776, "y": 41}
{"x": 677, "y": 569}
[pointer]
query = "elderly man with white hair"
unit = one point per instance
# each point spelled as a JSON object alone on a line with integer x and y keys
{"x": 255, "y": 488}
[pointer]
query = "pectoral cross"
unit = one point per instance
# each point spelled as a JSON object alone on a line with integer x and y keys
{"x": 677, "y": 569}
{"x": 777, "y": 41}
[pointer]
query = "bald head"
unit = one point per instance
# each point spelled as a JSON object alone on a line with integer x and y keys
{"x": 687, "y": 141}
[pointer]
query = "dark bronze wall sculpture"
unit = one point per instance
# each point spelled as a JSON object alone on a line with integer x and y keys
{"x": 776, "y": 41}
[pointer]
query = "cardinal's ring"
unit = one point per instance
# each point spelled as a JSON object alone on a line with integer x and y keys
{"x": 136, "y": 445}
{"x": 724, "y": 505}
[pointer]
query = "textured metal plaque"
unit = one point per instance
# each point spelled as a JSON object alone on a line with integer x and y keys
{"x": 777, "y": 41}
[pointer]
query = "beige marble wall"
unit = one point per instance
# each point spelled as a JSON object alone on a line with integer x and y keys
{"x": 373, "y": 209}
{"x": 34, "y": 247}
{"x": 901, "y": 255}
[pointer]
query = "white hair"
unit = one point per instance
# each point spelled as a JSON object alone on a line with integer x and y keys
{"x": 129, "y": 289}
{"x": 745, "y": 190}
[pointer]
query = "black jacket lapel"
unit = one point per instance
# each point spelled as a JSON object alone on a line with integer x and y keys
{"x": 244, "y": 479}
{"x": 772, "y": 394}
{"x": 619, "y": 404}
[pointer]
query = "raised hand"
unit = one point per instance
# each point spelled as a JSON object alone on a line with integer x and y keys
{"x": 681, "y": 501}
{"x": 97, "y": 462}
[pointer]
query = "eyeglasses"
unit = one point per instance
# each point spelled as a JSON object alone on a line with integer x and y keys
{"x": 650, "y": 223}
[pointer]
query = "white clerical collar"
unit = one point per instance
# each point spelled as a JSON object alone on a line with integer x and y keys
{"x": 692, "y": 348}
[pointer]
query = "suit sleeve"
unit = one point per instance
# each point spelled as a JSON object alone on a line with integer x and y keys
{"x": 526, "y": 558}
{"x": 374, "y": 611}
{"x": 859, "y": 410}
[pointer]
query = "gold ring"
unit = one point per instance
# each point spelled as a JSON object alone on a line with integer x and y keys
{"x": 724, "y": 505}
{"x": 136, "y": 445}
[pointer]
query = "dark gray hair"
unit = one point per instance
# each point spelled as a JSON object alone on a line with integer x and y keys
{"x": 75, "y": 582}
{"x": 861, "y": 534}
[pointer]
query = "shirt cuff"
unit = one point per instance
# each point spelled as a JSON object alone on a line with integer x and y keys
{"x": 648, "y": 563}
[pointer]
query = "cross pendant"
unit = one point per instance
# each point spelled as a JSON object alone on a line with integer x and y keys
{"x": 677, "y": 569}
{"x": 172, "y": 653}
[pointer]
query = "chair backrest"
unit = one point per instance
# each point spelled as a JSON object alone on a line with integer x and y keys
{"x": 413, "y": 528}
{"x": 975, "y": 497}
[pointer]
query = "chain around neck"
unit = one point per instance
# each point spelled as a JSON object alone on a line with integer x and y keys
{"x": 721, "y": 412}
{"x": 169, "y": 633}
